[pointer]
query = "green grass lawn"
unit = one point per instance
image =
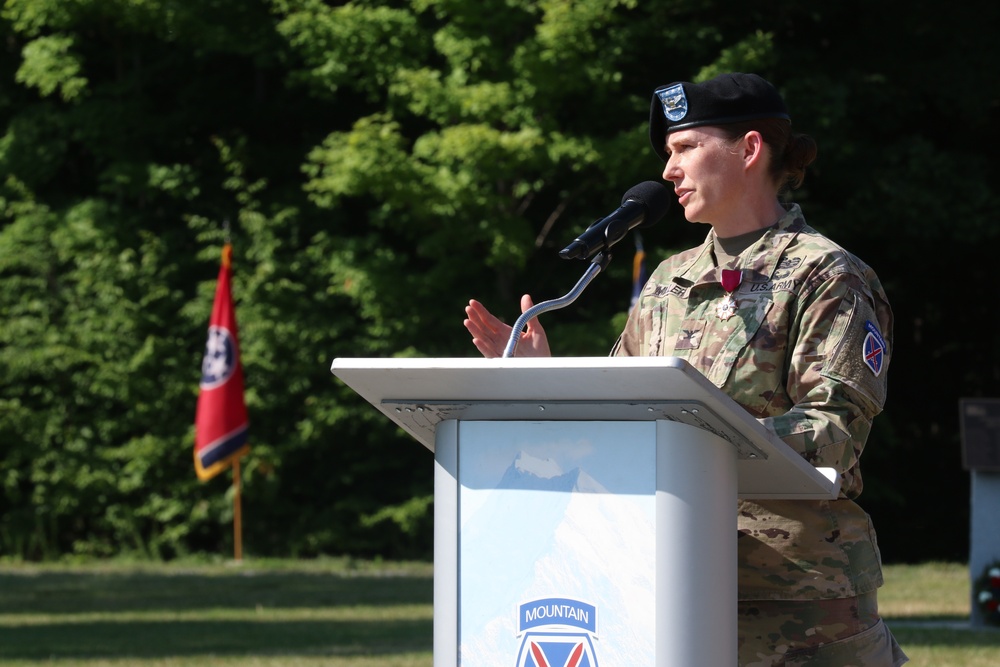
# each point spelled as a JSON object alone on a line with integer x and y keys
{"x": 927, "y": 608}
{"x": 334, "y": 613}
{"x": 337, "y": 613}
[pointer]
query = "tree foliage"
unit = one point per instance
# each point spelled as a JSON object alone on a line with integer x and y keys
{"x": 378, "y": 163}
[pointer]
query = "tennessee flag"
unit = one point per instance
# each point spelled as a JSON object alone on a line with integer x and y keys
{"x": 221, "y": 418}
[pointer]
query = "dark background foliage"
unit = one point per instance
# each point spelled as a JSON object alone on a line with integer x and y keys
{"x": 378, "y": 164}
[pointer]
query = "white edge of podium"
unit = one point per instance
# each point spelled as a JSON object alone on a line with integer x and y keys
{"x": 419, "y": 393}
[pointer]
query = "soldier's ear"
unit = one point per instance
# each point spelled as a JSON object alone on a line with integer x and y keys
{"x": 753, "y": 150}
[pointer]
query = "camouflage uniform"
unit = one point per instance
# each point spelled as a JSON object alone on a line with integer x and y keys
{"x": 793, "y": 355}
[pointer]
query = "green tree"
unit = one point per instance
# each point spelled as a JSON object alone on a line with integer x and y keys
{"x": 379, "y": 162}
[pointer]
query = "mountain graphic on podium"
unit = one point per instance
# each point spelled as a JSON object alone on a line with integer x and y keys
{"x": 543, "y": 532}
{"x": 531, "y": 473}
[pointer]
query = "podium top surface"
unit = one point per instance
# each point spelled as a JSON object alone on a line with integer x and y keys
{"x": 417, "y": 394}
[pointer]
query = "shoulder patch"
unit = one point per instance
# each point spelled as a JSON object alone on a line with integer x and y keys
{"x": 861, "y": 355}
{"x": 873, "y": 348}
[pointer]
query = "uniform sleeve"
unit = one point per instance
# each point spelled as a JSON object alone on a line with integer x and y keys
{"x": 836, "y": 375}
{"x": 629, "y": 341}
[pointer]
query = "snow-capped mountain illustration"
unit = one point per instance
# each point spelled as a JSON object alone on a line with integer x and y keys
{"x": 528, "y": 472}
{"x": 544, "y": 532}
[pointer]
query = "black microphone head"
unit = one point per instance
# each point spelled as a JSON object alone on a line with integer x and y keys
{"x": 654, "y": 196}
{"x": 643, "y": 205}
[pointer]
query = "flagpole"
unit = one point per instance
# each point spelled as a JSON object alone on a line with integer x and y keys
{"x": 237, "y": 485}
{"x": 237, "y": 518}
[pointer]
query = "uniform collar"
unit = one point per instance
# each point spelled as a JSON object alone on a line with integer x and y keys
{"x": 761, "y": 261}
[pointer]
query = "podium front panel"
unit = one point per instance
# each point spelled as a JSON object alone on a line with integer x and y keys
{"x": 557, "y": 543}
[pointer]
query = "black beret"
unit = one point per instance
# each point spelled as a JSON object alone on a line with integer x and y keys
{"x": 728, "y": 98}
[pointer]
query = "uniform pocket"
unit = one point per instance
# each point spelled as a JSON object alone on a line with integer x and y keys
{"x": 749, "y": 340}
{"x": 874, "y": 647}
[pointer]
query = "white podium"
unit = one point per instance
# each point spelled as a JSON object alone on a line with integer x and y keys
{"x": 584, "y": 508}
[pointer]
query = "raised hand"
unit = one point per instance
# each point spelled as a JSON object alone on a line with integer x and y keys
{"x": 490, "y": 335}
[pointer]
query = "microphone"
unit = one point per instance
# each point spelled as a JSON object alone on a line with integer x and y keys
{"x": 643, "y": 205}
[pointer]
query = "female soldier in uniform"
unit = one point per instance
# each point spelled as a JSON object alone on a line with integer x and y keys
{"x": 796, "y": 330}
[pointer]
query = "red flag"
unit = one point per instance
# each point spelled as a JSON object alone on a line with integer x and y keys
{"x": 221, "y": 419}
